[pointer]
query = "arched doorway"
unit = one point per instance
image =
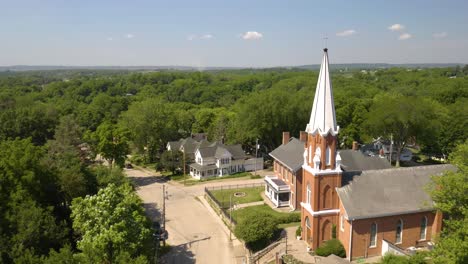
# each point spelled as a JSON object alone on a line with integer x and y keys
{"x": 326, "y": 230}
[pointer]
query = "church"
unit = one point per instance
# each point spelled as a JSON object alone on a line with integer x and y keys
{"x": 372, "y": 207}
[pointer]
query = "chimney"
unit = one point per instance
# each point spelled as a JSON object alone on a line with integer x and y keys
{"x": 285, "y": 138}
{"x": 355, "y": 145}
{"x": 303, "y": 136}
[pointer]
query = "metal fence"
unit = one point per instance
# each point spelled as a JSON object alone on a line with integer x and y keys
{"x": 235, "y": 186}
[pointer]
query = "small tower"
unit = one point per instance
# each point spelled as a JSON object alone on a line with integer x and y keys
{"x": 322, "y": 172}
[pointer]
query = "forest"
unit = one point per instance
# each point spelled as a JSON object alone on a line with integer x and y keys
{"x": 54, "y": 123}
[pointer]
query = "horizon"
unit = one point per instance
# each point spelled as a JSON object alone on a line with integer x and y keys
{"x": 241, "y": 34}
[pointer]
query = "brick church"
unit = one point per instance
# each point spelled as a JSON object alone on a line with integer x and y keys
{"x": 373, "y": 207}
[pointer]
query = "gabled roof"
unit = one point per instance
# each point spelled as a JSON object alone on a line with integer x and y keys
{"x": 290, "y": 154}
{"x": 377, "y": 193}
{"x": 322, "y": 117}
{"x": 217, "y": 149}
{"x": 236, "y": 151}
{"x": 355, "y": 160}
{"x": 207, "y": 152}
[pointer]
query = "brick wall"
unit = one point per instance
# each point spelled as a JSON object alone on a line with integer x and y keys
{"x": 386, "y": 229}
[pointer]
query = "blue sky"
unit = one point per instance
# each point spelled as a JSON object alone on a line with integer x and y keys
{"x": 258, "y": 33}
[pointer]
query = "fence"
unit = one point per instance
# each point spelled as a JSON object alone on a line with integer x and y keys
{"x": 254, "y": 258}
{"x": 224, "y": 214}
{"x": 234, "y": 186}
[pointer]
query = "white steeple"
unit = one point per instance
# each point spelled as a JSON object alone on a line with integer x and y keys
{"x": 322, "y": 118}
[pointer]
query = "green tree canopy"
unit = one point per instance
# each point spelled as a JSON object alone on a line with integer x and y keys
{"x": 111, "y": 224}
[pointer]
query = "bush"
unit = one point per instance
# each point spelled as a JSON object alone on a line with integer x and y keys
{"x": 289, "y": 218}
{"x": 299, "y": 231}
{"x": 137, "y": 159}
{"x": 257, "y": 231}
{"x": 332, "y": 246}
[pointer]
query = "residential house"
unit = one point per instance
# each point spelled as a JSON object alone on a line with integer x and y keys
{"x": 217, "y": 160}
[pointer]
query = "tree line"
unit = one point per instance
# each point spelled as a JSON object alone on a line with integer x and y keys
{"x": 53, "y": 124}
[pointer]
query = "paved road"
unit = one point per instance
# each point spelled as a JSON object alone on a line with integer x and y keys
{"x": 196, "y": 234}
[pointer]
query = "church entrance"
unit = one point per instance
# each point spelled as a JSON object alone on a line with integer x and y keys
{"x": 326, "y": 230}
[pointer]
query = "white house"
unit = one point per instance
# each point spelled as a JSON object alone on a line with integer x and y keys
{"x": 217, "y": 160}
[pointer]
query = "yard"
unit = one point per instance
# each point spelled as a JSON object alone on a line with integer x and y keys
{"x": 281, "y": 218}
{"x": 252, "y": 194}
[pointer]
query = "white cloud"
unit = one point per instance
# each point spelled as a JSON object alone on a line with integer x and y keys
{"x": 110, "y": 38}
{"x": 195, "y": 37}
{"x": 129, "y": 36}
{"x": 396, "y": 27}
{"x": 440, "y": 35}
{"x": 207, "y": 36}
{"x": 252, "y": 35}
{"x": 191, "y": 37}
{"x": 404, "y": 36}
{"x": 346, "y": 33}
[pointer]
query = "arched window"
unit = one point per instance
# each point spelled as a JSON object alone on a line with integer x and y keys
{"x": 328, "y": 156}
{"x": 373, "y": 235}
{"x": 307, "y": 222}
{"x": 399, "y": 231}
{"x": 422, "y": 232}
{"x": 327, "y": 197}
{"x": 308, "y": 194}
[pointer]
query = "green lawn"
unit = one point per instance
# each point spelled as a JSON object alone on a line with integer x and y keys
{"x": 251, "y": 211}
{"x": 251, "y": 195}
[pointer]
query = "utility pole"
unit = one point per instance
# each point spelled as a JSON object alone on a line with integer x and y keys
{"x": 256, "y": 150}
{"x": 391, "y": 148}
{"x": 184, "y": 165}
{"x": 164, "y": 215}
{"x": 230, "y": 217}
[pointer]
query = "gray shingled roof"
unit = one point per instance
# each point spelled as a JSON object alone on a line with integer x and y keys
{"x": 236, "y": 151}
{"x": 207, "y": 152}
{"x": 290, "y": 154}
{"x": 394, "y": 191}
{"x": 355, "y": 160}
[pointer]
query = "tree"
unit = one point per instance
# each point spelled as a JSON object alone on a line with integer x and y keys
{"x": 449, "y": 193}
{"x": 151, "y": 126}
{"x": 28, "y": 194}
{"x": 172, "y": 160}
{"x": 112, "y": 143}
{"x": 257, "y": 231}
{"x": 402, "y": 119}
{"x": 111, "y": 224}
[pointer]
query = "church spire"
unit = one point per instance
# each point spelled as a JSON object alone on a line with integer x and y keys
{"x": 322, "y": 118}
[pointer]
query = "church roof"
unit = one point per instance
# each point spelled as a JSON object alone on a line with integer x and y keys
{"x": 378, "y": 193}
{"x": 290, "y": 154}
{"x": 322, "y": 117}
{"x": 355, "y": 160}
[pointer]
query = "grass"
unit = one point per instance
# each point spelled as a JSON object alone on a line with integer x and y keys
{"x": 281, "y": 218}
{"x": 251, "y": 195}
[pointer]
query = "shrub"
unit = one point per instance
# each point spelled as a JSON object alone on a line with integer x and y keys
{"x": 332, "y": 246}
{"x": 333, "y": 231}
{"x": 257, "y": 231}
{"x": 299, "y": 231}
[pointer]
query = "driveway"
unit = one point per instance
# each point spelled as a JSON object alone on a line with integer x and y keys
{"x": 196, "y": 233}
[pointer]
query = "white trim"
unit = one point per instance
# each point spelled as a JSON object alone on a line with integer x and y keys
{"x": 321, "y": 172}
{"x": 323, "y": 212}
